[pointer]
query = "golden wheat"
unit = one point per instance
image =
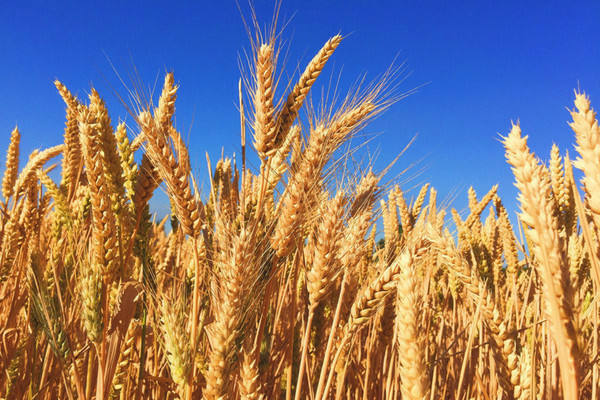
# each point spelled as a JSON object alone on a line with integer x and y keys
{"x": 301, "y": 277}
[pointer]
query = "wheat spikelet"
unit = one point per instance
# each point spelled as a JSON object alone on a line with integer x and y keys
{"x": 361, "y": 212}
{"x": 509, "y": 350}
{"x": 303, "y": 185}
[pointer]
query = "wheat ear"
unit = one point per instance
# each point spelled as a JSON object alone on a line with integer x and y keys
{"x": 72, "y": 161}
{"x": 295, "y": 99}
{"x": 413, "y": 371}
{"x": 173, "y": 171}
{"x": 28, "y": 173}
{"x": 250, "y": 384}
{"x": 264, "y": 121}
{"x": 12, "y": 165}
{"x": 104, "y": 222}
{"x": 322, "y": 272}
{"x": 587, "y": 134}
{"x": 237, "y": 273}
{"x": 177, "y": 343}
{"x": 415, "y": 210}
{"x": 537, "y": 212}
{"x": 366, "y": 305}
{"x": 299, "y": 198}
{"x": 91, "y": 300}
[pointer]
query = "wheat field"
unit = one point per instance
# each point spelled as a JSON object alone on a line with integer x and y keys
{"x": 267, "y": 281}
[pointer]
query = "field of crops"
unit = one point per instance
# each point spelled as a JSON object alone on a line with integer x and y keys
{"x": 267, "y": 281}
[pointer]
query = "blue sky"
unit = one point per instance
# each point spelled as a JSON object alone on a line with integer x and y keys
{"x": 484, "y": 64}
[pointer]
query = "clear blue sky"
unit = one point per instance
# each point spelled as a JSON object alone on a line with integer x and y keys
{"x": 484, "y": 63}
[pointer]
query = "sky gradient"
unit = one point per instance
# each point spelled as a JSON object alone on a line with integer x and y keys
{"x": 478, "y": 65}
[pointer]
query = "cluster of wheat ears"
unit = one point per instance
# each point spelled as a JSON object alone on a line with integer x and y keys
{"x": 267, "y": 283}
